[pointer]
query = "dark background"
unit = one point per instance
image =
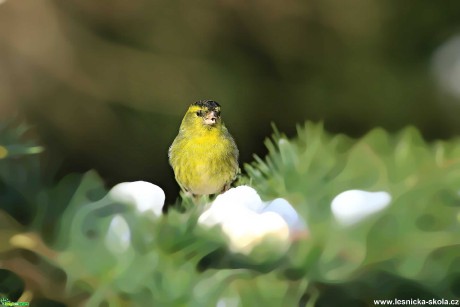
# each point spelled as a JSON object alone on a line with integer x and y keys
{"x": 106, "y": 83}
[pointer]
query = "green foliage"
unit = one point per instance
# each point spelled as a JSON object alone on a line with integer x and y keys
{"x": 417, "y": 237}
{"x": 412, "y": 246}
{"x": 19, "y": 171}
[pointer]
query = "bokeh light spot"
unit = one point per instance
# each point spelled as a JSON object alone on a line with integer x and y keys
{"x": 3, "y": 150}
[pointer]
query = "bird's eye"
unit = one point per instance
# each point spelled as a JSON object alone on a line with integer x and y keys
{"x": 199, "y": 113}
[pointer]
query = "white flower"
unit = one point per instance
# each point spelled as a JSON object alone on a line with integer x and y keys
{"x": 353, "y": 206}
{"x": 118, "y": 235}
{"x": 248, "y": 231}
{"x": 248, "y": 222}
{"x": 236, "y": 202}
{"x": 287, "y": 212}
{"x": 243, "y": 196}
{"x": 218, "y": 214}
{"x": 143, "y": 195}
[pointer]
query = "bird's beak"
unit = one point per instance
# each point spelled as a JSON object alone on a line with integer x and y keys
{"x": 210, "y": 118}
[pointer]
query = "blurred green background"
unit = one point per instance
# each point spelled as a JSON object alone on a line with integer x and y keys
{"x": 106, "y": 83}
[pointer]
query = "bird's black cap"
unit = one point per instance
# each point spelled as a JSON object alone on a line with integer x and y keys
{"x": 209, "y": 104}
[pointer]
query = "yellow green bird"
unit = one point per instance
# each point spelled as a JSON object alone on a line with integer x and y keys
{"x": 204, "y": 155}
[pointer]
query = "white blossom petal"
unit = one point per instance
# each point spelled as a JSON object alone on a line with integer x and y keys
{"x": 218, "y": 214}
{"x": 118, "y": 235}
{"x": 143, "y": 195}
{"x": 248, "y": 222}
{"x": 243, "y": 196}
{"x": 248, "y": 231}
{"x": 287, "y": 212}
{"x": 352, "y": 206}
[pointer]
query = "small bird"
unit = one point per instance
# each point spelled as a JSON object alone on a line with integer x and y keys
{"x": 204, "y": 155}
